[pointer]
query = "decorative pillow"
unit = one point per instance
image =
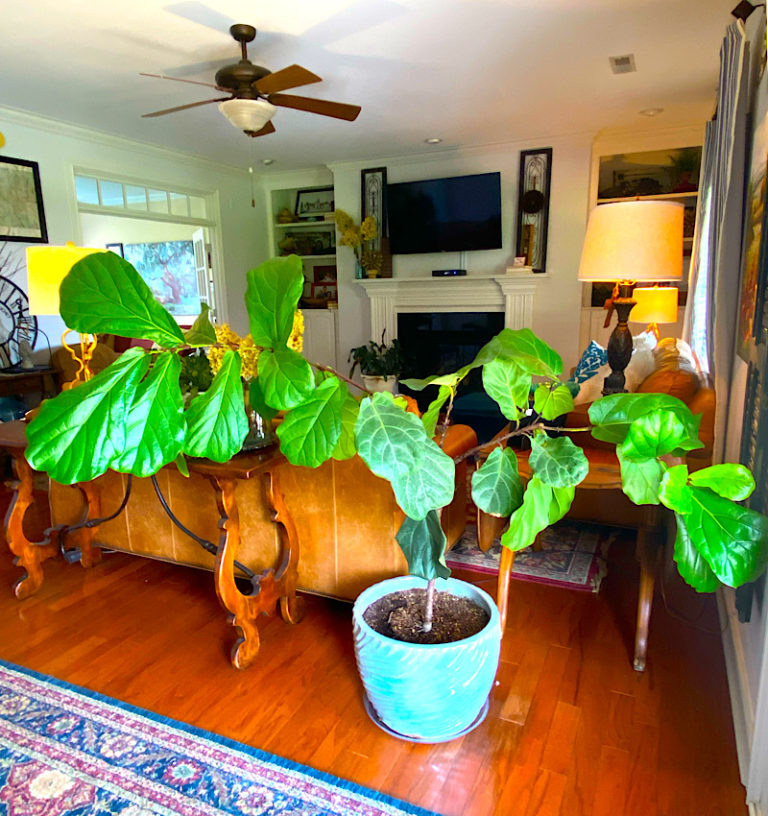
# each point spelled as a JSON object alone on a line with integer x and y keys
{"x": 593, "y": 357}
{"x": 592, "y": 388}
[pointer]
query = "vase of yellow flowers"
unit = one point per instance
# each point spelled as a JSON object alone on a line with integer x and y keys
{"x": 360, "y": 238}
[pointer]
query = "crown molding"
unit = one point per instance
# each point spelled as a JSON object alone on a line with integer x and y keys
{"x": 58, "y": 127}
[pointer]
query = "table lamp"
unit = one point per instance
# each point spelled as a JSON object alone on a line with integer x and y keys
{"x": 654, "y": 305}
{"x": 47, "y": 266}
{"x": 626, "y": 242}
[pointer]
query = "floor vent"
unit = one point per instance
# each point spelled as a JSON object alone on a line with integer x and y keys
{"x": 624, "y": 64}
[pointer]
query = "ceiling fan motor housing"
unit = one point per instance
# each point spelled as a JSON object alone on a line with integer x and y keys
{"x": 239, "y": 78}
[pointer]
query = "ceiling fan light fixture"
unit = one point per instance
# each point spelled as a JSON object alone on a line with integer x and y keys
{"x": 248, "y": 114}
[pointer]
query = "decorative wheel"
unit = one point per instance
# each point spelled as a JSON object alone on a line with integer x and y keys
{"x": 16, "y": 323}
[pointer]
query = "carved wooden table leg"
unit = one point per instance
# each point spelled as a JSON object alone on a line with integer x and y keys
{"x": 647, "y": 553}
{"x": 273, "y": 586}
{"x": 29, "y": 554}
{"x": 502, "y": 591}
{"x": 90, "y": 555}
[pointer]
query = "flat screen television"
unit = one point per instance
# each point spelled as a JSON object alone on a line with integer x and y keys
{"x": 445, "y": 215}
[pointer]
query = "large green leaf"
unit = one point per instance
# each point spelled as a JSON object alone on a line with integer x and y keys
{"x": 562, "y": 499}
{"x": 529, "y": 352}
{"x": 557, "y": 461}
{"x": 731, "y": 538}
{"x": 660, "y": 432}
{"x": 216, "y": 420}
{"x": 530, "y": 518}
{"x": 310, "y": 432}
{"x": 423, "y": 544}
{"x": 285, "y": 376}
{"x": 394, "y": 446}
{"x": 551, "y": 401}
{"x": 640, "y": 480}
{"x": 694, "y": 570}
{"x": 155, "y": 424}
{"x": 273, "y": 291}
{"x": 451, "y": 380}
{"x": 674, "y": 491}
{"x": 496, "y": 486}
{"x": 78, "y": 434}
{"x": 432, "y": 414}
{"x": 509, "y": 385}
{"x": 612, "y": 415}
{"x": 201, "y": 332}
{"x": 257, "y": 402}
{"x": 104, "y": 293}
{"x": 350, "y": 408}
{"x": 729, "y": 480}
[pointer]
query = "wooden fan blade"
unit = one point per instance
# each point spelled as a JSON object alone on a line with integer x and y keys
{"x": 177, "y": 79}
{"x": 322, "y": 106}
{"x": 291, "y": 77}
{"x": 268, "y": 128}
{"x": 184, "y": 107}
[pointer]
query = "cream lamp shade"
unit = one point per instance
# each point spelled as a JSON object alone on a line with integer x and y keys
{"x": 654, "y": 304}
{"x": 47, "y": 266}
{"x": 633, "y": 241}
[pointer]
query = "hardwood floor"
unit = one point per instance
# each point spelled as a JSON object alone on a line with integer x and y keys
{"x": 572, "y": 728}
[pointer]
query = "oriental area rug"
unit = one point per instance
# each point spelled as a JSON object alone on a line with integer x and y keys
{"x": 67, "y": 751}
{"x": 570, "y": 554}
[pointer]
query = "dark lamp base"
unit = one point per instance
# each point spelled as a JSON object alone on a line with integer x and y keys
{"x": 619, "y": 347}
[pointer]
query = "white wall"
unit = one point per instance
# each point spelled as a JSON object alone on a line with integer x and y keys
{"x": 558, "y": 297}
{"x": 60, "y": 149}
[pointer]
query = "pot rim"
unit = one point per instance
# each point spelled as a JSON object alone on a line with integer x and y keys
{"x": 493, "y": 612}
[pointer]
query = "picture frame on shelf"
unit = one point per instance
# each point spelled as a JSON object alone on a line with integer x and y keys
{"x": 116, "y": 248}
{"x": 324, "y": 274}
{"x": 533, "y": 207}
{"x": 324, "y": 291}
{"x": 651, "y": 172}
{"x": 313, "y": 203}
{"x": 373, "y": 201}
{"x": 307, "y": 242}
{"x": 22, "y": 215}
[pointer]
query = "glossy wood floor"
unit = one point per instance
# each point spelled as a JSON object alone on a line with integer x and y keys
{"x": 572, "y": 729}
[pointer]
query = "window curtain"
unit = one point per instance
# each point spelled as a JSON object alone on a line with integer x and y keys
{"x": 712, "y": 308}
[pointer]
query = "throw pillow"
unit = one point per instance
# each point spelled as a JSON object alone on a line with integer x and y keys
{"x": 592, "y": 388}
{"x": 593, "y": 357}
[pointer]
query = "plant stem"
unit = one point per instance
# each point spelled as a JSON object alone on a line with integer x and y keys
{"x": 337, "y": 374}
{"x": 537, "y": 426}
{"x": 429, "y": 606}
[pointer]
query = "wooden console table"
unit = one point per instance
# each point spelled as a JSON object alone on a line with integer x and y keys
{"x": 270, "y": 587}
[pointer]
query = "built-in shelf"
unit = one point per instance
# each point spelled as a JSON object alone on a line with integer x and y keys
{"x": 659, "y": 197}
{"x": 304, "y": 224}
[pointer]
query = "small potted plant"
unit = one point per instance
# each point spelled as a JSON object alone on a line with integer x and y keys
{"x": 380, "y": 364}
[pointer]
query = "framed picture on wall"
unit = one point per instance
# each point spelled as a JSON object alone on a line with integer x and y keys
{"x": 22, "y": 217}
{"x": 533, "y": 206}
{"x": 373, "y": 201}
{"x": 116, "y": 248}
{"x": 314, "y": 203}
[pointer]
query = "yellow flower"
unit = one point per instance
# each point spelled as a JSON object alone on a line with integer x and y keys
{"x": 343, "y": 220}
{"x": 296, "y": 340}
{"x": 368, "y": 229}
{"x": 350, "y": 238}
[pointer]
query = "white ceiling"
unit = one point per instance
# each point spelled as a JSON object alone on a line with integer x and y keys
{"x": 473, "y": 72}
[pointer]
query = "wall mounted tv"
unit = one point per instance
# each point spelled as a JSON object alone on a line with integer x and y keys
{"x": 445, "y": 215}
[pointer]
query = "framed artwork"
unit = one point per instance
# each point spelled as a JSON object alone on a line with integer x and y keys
{"x": 651, "y": 172}
{"x": 324, "y": 291}
{"x": 753, "y": 265}
{"x": 533, "y": 206}
{"x": 116, "y": 248}
{"x": 22, "y": 217}
{"x": 307, "y": 242}
{"x": 314, "y": 202}
{"x": 324, "y": 274}
{"x": 373, "y": 201}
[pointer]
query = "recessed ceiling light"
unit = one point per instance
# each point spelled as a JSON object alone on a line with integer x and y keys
{"x": 651, "y": 111}
{"x": 433, "y": 140}
{"x": 267, "y": 161}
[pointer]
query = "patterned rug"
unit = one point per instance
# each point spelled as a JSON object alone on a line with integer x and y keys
{"x": 572, "y": 555}
{"x": 67, "y": 751}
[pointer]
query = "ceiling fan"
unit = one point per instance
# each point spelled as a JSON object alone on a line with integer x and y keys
{"x": 255, "y": 92}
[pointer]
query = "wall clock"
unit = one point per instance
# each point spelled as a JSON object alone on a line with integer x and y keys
{"x": 533, "y": 206}
{"x": 16, "y": 323}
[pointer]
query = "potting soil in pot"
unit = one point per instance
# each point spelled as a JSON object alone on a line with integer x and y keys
{"x": 400, "y": 615}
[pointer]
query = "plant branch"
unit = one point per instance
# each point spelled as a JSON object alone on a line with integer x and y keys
{"x": 337, "y": 374}
{"x": 496, "y": 442}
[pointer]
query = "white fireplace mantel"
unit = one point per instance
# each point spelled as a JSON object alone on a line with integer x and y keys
{"x": 511, "y": 293}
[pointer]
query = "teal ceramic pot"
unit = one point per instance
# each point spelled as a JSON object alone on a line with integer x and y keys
{"x": 427, "y": 692}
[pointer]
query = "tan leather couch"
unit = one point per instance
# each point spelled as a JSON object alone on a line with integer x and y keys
{"x": 346, "y": 519}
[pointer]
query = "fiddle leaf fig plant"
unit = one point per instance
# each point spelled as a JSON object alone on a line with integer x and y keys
{"x": 131, "y": 418}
